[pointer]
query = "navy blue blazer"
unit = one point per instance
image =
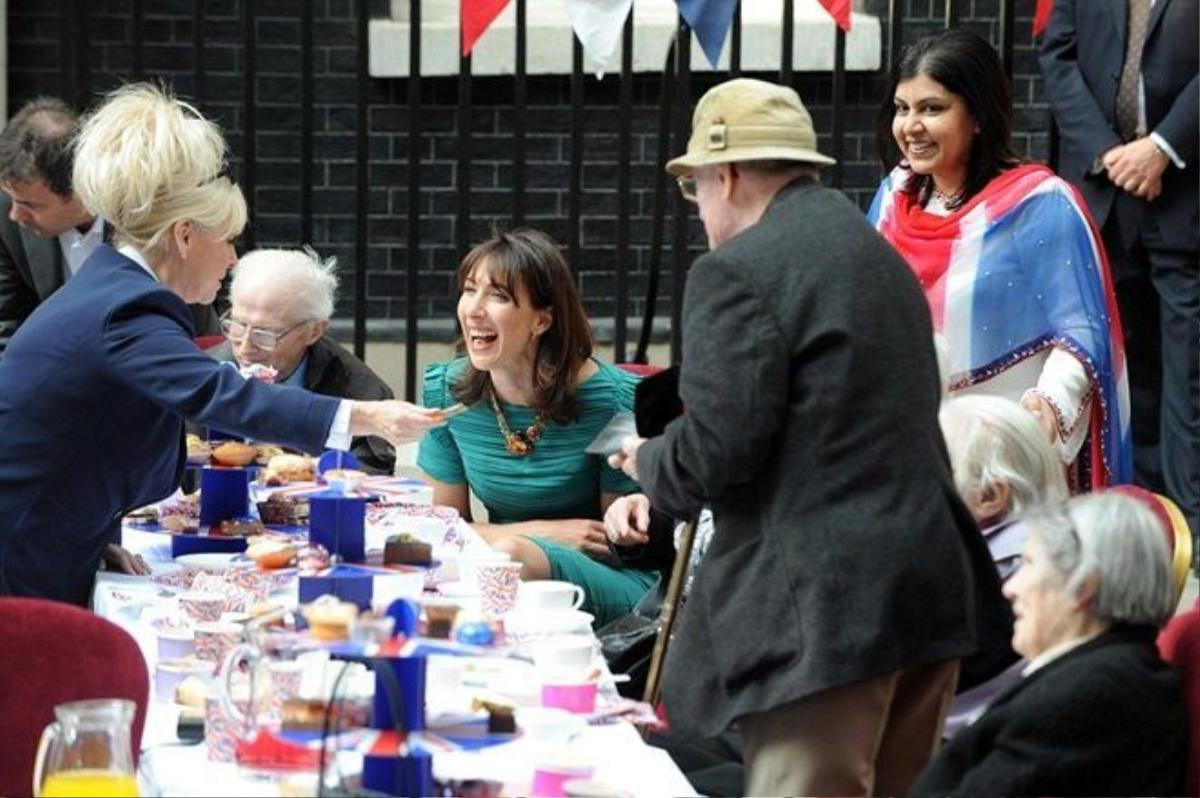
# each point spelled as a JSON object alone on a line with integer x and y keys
{"x": 94, "y": 390}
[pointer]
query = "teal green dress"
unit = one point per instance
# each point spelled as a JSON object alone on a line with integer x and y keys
{"x": 556, "y": 480}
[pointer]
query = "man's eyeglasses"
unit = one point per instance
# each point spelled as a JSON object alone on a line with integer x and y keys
{"x": 266, "y": 340}
{"x": 687, "y": 187}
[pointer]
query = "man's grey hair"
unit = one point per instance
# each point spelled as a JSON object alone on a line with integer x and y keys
{"x": 1119, "y": 542}
{"x": 310, "y": 280}
{"x": 994, "y": 441}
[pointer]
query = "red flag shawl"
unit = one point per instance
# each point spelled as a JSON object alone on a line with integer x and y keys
{"x": 1019, "y": 269}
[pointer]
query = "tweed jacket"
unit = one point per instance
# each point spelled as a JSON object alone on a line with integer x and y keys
{"x": 1106, "y": 718}
{"x": 333, "y": 370}
{"x": 842, "y": 551}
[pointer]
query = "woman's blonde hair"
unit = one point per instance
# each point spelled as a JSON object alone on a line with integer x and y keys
{"x": 145, "y": 160}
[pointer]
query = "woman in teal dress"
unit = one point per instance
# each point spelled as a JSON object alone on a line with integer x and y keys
{"x": 536, "y": 397}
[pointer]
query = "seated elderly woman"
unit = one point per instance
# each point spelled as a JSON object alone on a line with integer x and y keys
{"x": 1003, "y": 467}
{"x": 281, "y": 303}
{"x": 1096, "y": 711}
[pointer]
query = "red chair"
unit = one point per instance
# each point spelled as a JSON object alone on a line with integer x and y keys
{"x": 55, "y": 653}
{"x": 1179, "y": 536}
{"x": 640, "y": 369}
{"x": 208, "y": 341}
{"x": 1179, "y": 644}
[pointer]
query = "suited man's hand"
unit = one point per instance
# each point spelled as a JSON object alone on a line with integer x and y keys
{"x": 1137, "y": 167}
{"x": 395, "y": 421}
{"x": 122, "y": 561}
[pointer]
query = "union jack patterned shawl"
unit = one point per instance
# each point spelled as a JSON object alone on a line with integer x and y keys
{"x": 1016, "y": 270}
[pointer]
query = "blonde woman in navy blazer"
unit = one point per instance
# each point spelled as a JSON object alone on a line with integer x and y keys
{"x": 96, "y": 384}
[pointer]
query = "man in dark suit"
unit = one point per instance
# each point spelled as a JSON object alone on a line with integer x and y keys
{"x": 1122, "y": 78}
{"x": 844, "y": 579}
{"x": 281, "y": 302}
{"x": 45, "y": 231}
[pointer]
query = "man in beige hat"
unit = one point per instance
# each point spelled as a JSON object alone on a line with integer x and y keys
{"x": 845, "y": 579}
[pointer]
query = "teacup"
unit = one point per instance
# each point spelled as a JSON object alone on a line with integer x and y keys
{"x": 564, "y": 657}
{"x": 468, "y": 563}
{"x": 549, "y": 595}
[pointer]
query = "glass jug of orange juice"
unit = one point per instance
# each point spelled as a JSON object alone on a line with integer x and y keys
{"x": 87, "y": 751}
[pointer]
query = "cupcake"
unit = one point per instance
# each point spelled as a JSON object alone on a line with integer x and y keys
{"x": 329, "y": 619}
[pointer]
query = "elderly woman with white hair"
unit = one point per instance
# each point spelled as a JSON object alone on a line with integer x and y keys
{"x": 281, "y": 301}
{"x": 95, "y": 386}
{"x": 1096, "y": 712}
{"x": 1003, "y": 466}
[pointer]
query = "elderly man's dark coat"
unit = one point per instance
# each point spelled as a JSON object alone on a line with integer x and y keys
{"x": 842, "y": 551}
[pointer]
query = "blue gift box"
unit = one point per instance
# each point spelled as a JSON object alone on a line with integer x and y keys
{"x": 387, "y": 771}
{"x": 353, "y": 583}
{"x": 336, "y": 521}
{"x": 224, "y": 494}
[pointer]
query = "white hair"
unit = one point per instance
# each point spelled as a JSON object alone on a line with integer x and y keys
{"x": 1119, "y": 542}
{"x": 145, "y": 161}
{"x": 309, "y": 281}
{"x": 994, "y": 441}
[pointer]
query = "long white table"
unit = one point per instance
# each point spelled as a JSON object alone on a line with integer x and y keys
{"x": 617, "y": 753}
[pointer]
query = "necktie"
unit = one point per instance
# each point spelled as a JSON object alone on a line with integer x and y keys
{"x": 1127, "y": 89}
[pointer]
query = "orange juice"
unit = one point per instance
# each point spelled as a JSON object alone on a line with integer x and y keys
{"x": 97, "y": 783}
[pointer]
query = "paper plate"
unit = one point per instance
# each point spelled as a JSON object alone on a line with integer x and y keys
{"x": 211, "y": 561}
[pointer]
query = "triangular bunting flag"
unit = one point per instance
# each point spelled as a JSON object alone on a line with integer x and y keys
{"x": 1041, "y": 15}
{"x": 710, "y": 19}
{"x": 475, "y": 17}
{"x": 598, "y": 24}
{"x": 840, "y": 11}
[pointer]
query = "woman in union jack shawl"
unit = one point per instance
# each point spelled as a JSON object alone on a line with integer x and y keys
{"x": 1010, "y": 261}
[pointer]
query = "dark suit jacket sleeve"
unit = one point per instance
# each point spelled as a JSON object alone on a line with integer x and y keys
{"x": 734, "y": 385}
{"x": 1081, "y": 120}
{"x": 17, "y": 297}
{"x": 149, "y": 351}
{"x": 1179, "y": 126}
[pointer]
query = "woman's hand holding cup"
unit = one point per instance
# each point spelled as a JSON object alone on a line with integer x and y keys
{"x": 396, "y": 421}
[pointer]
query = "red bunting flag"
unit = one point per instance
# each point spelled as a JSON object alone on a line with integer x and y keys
{"x": 476, "y": 16}
{"x": 840, "y": 11}
{"x": 1041, "y": 15}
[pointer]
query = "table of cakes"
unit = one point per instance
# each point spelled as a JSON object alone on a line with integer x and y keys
{"x": 488, "y": 725}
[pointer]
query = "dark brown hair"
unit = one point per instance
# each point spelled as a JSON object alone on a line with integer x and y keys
{"x": 37, "y": 145}
{"x": 967, "y": 65}
{"x": 529, "y": 258}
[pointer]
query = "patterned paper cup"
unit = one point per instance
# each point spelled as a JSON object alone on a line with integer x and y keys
{"x": 498, "y": 587}
{"x": 202, "y": 607}
{"x": 220, "y": 730}
{"x": 215, "y": 640}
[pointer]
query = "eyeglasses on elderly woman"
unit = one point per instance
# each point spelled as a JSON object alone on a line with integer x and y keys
{"x": 264, "y": 339}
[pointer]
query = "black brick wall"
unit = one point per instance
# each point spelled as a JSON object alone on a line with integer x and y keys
{"x": 36, "y": 66}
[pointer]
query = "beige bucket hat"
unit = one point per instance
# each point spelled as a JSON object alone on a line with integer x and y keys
{"x": 747, "y": 120}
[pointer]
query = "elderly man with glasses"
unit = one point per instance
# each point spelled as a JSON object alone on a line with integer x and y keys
{"x": 280, "y": 304}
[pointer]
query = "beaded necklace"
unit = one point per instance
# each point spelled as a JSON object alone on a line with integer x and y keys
{"x": 520, "y": 442}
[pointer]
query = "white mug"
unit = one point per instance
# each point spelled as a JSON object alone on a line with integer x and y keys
{"x": 568, "y": 656}
{"x": 549, "y": 595}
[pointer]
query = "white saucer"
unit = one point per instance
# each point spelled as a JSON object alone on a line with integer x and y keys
{"x": 460, "y": 589}
{"x": 209, "y": 561}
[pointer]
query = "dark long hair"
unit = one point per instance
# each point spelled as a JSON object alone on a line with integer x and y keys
{"x": 967, "y": 65}
{"x": 529, "y": 258}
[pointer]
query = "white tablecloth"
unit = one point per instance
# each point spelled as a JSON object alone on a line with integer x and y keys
{"x": 617, "y": 752}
